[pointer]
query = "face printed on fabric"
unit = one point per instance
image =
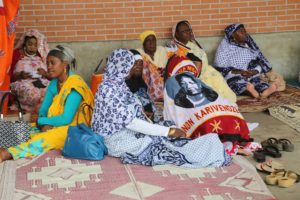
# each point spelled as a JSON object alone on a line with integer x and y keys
{"x": 31, "y": 46}
{"x": 189, "y": 86}
{"x": 150, "y": 44}
{"x": 55, "y": 66}
{"x": 183, "y": 33}
{"x": 240, "y": 35}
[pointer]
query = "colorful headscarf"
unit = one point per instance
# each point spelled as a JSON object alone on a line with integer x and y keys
{"x": 240, "y": 56}
{"x": 42, "y": 44}
{"x": 115, "y": 105}
{"x": 145, "y": 34}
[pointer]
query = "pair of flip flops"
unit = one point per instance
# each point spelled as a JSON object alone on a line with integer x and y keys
{"x": 269, "y": 166}
{"x": 282, "y": 178}
{"x": 281, "y": 144}
{"x": 260, "y": 155}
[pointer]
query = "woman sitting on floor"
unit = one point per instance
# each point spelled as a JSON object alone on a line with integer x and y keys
{"x": 118, "y": 116}
{"x": 29, "y": 70}
{"x": 155, "y": 60}
{"x": 197, "y": 109}
{"x": 242, "y": 63}
{"x": 138, "y": 87}
{"x": 60, "y": 108}
{"x": 184, "y": 42}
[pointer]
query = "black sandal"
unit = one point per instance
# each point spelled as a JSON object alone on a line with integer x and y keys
{"x": 260, "y": 156}
{"x": 286, "y": 144}
{"x": 272, "y": 141}
{"x": 272, "y": 151}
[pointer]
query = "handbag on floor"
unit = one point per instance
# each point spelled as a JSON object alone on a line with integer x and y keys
{"x": 82, "y": 143}
{"x": 13, "y": 132}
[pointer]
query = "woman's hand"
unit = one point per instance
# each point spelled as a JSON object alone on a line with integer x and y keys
{"x": 176, "y": 133}
{"x": 149, "y": 114}
{"x": 237, "y": 71}
{"x": 42, "y": 72}
{"x": 45, "y": 128}
{"x": 249, "y": 73}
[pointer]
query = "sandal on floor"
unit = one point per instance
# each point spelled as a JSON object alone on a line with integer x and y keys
{"x": 273, "y": 178}
{"x": 288, "y": 179}
{"x": 269, "y": 166}
{"x": 259, "y": 156}
{"x": 286, "y": 144}
{"x": 272, "y": 150}
{"x": 273, "y": 142}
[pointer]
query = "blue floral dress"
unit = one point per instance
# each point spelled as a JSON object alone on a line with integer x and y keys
{"x": 116, "y": 106}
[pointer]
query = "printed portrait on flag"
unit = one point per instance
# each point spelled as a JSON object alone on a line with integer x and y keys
{"x": 197, "y": 109}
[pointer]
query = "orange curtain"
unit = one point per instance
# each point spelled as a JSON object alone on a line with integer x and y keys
{"x": 8, "y": 13}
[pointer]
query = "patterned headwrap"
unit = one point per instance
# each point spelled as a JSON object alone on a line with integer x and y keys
{"x": 42, "y": 44}
{"x": 115, "y": 105}
{"x": 145, "y": 34}
{"x": 229, "y": 30}
{"x": 240, "y": 56}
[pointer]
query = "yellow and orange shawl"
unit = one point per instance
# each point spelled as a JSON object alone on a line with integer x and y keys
{"x": 77, "y": 83}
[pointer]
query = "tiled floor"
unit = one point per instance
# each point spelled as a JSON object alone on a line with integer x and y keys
{"x": 271, "y": 127}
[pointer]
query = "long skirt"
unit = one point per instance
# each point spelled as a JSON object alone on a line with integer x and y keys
{"x": 136, "y": 148}
{"x": 40, "y": 143}
{"x": 29, "y": 96}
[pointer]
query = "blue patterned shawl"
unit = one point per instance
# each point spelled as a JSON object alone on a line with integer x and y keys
{"x": 231, "y": 55}
{"x": 115, "y": 105}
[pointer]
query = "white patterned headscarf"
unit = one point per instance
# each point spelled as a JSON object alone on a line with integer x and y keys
{"x": 42, "y": 44}
{"x": 115, "y": 105}
{"x": 232, "y": 54}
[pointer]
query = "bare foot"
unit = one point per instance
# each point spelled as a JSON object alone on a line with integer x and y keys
{"x": 269, "y": 91}
{"x": 244, "y": 152}
{"x": 252, "y": 91}
{"x": 4, "y": 155}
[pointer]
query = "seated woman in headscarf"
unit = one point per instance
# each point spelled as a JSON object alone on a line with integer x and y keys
{"x": 198, "y": 110}
{"x": 241, "y": 63}
{"x": 61, "y": 107}
{"x": 128, "y": 133}
{"x": 184, "y": 42}
{"x": 155, "y": 60}
{"x": 138, "y": 87}
{"x": 29, "y": 70}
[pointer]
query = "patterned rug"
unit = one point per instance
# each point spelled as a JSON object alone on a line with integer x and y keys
{"x": 290, "y": 96}
{"x": 288, "y": 114}
{"x": 50, "y": 176}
